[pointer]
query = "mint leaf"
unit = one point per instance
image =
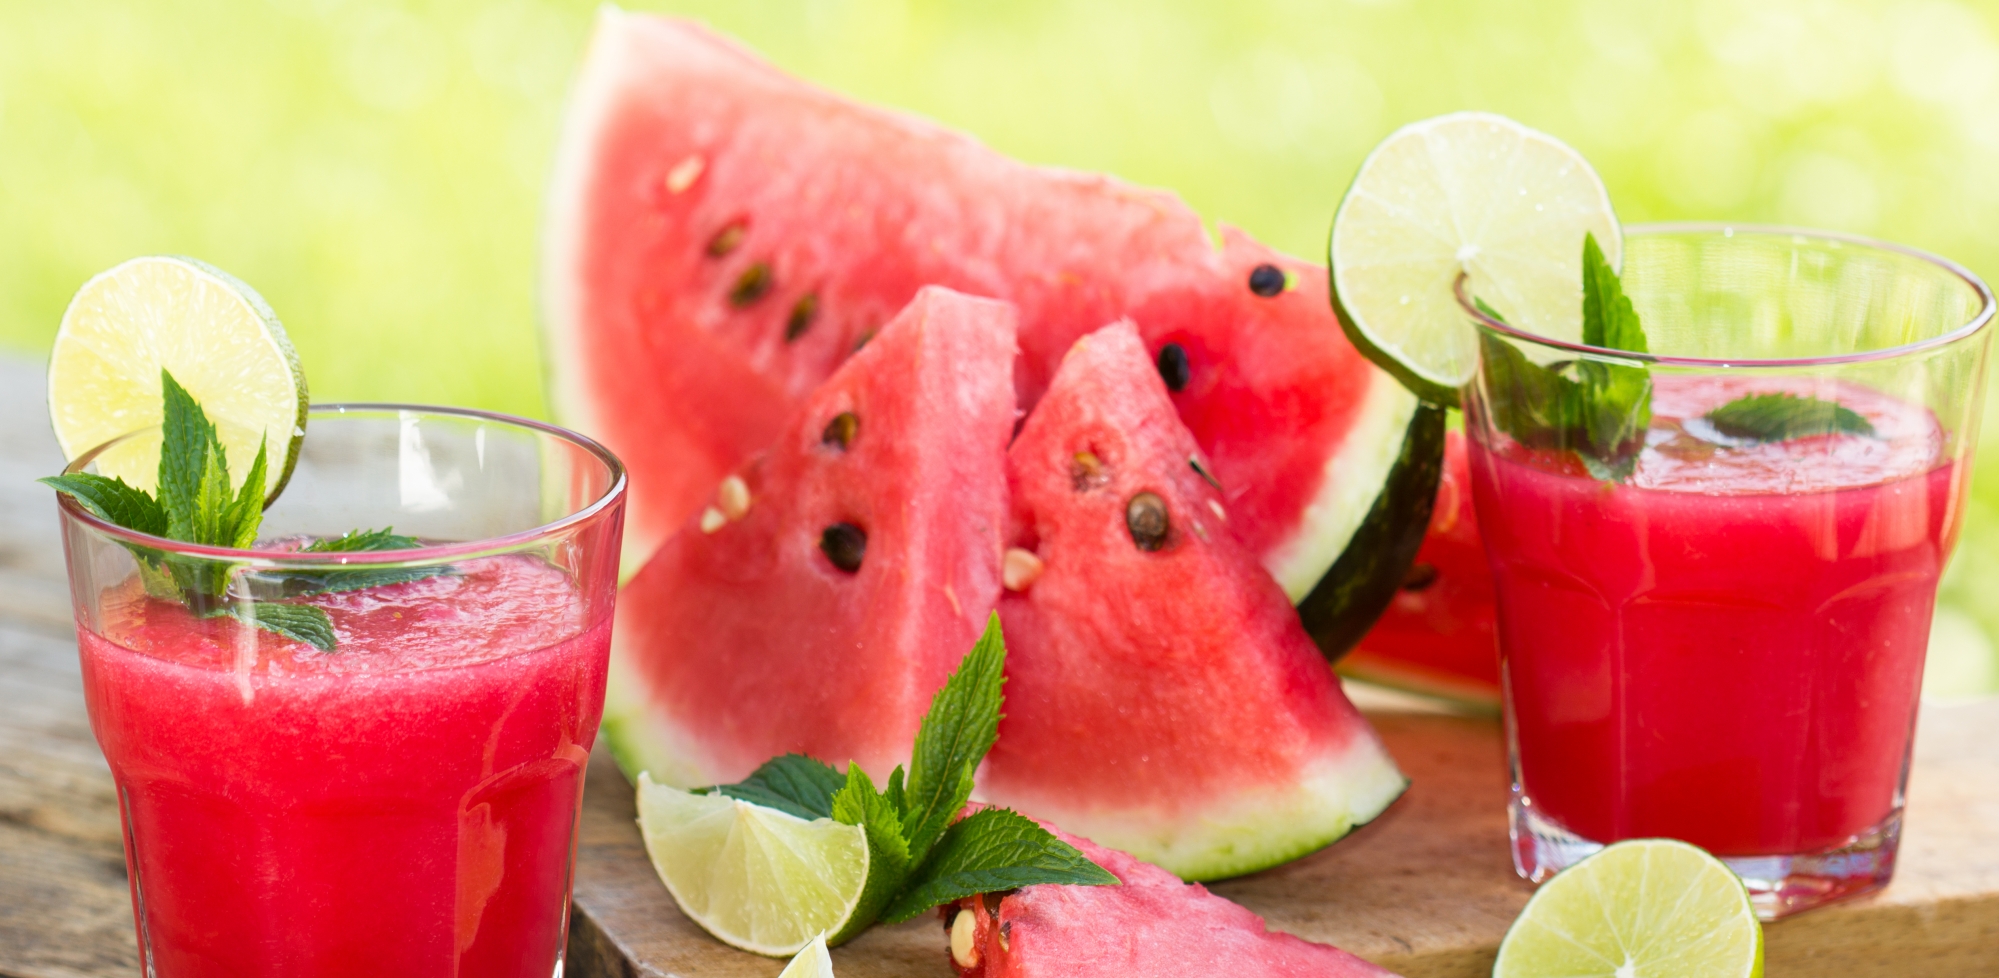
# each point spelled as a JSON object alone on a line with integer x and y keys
{"x": 112, "y": 500}
{"x": 183, "y": 457}
{"x": 363, "y": 541}
{"x": 1598, "y": 410}
{"x": 989, "y": 851}
{"x": 1608, "y": 319}
{"x": 857, "y": 803}
{"x": 1617, "y": 401}
{"x": 961, "y": 726}
{"x": 793, "y": 784}
{"x": 1781, "y": 417}
{"x": 302, "y": 583}
{"x": 242, "y": 517}
{"x": 298, "y": 622}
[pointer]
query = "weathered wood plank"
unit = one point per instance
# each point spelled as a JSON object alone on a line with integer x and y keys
{"x": 1428, "y": 889}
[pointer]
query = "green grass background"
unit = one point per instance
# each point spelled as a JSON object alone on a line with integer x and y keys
{"x": 374, "y": 167}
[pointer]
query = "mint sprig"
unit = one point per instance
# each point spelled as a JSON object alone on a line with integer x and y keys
{"x": 920, "y": 853}
{"x": 1782, "y": 417}
{"x": 196, "y": 505}
{"x": 1598, "y": 410}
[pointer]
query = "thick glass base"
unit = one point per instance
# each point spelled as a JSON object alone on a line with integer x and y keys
{"x": 1779, "y": 885}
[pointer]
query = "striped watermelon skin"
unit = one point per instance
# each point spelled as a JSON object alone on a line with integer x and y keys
{"x": 1161, "y": 696}
{"x": 721, "y": 236}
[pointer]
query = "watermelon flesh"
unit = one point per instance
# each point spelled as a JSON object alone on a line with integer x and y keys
{"x": 1438, "y": 635}
{"x": 1151, "y": 925}
{"x": 1161, "y": 697}
{"x": 762, "y": 628}
{"x": 720, "y": 237}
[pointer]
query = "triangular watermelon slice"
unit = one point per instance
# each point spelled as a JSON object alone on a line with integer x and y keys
{"x": 827, "y": 589}
{"x": 1153, "y": 925}
{"x": 721, "y": 236}
{"x": 1161, "y": 696}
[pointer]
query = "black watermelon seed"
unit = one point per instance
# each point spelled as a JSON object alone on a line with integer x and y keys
{"x": 844, "y": 544}
{"x": 1266, "y": 280}
{"x": 840, "y": 431}
{"x": 1145, "y": 517}
{"x": 802, "y": 312}
{"x": 750, "y": 286}
{"x": 1173, "y": 367}
{"x": 1202, "y": 471}
{"x": 727, "y": 239}
{"x": 1420, "y": 576}
{"x": 866, "y": 335}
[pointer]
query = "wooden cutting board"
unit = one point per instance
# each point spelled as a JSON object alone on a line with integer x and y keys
{"x": 1427, "y": 890}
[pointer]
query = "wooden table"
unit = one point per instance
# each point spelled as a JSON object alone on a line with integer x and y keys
{"x": 1426, "y": 889}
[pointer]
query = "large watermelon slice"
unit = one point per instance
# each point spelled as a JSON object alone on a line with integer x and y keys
{"x": 721, "y": 236}
{"x": 1152, "y": 925}
{"x": 830, "y": 586}
{"x": 1161, "y": 696}
{"x": 1438, "y": 635}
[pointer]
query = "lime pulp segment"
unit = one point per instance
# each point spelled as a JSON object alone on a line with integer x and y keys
{"x": 757, "y": 878}
{"x": 1646, "y": 908}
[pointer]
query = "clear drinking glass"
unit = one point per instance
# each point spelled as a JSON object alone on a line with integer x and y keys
{"x": 406, "y": 802}
{"x": 1725, "y": 643}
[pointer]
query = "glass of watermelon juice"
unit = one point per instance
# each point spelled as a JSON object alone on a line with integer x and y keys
{"x": 405, "y": 803}
{"x": 1723, "y": 643}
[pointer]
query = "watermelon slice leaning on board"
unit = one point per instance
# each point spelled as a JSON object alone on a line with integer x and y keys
{"x": 721, "y": 236}
{"x": 1161, "y": 696}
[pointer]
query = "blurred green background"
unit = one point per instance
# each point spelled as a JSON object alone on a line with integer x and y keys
{"x": 374, "y": 167}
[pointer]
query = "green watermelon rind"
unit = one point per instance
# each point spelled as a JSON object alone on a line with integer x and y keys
{"x": 1354, "y": 477}
{"x": 1355, "y": 591}
{"x": 1248, "y": 829}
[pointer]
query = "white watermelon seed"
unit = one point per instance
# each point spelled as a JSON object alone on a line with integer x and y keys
{"x": 1216, "y": 507}
{"x": 733, "y": 495}
{"x": 964, "y": 931}
{"x": 1019, "y": 569}
{"x": 712, "y": 520}
{"x": 684, "y": 173}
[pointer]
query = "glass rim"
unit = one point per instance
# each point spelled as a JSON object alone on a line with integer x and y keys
{"x": 435, "y": 553}
{"x": 1977, "y": 322}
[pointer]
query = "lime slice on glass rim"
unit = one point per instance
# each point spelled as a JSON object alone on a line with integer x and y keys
{"x": 763, "y": 880}
{"x": 1646, "y": 908}
{"x": 213, "y": 333}
{"x": 1472, "y": 194}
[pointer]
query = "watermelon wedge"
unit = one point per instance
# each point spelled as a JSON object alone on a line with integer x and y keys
{"x": 1161, "y": 695}
{"x": 828, "y": 587}
{"x": 1438, "y": 635}
{"x": 1152, "y": 925}
{"x": 720, "y": 237}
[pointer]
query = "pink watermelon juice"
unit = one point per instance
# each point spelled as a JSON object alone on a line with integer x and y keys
{"x": 1727, "y": 647}
{"x": 403, "y": 805}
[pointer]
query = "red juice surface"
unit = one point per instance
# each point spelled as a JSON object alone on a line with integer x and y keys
{"x": 1727, "y": 648}
{"x": 403, "y": 805}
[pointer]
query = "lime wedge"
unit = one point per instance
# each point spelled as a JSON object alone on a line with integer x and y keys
{"x": 1647, "y": 908}
{"x": 760, "y": 879}
{"x": 813, "y": 962}
{"x": 1473, "y": 194}
{"x": 213, "y": 333}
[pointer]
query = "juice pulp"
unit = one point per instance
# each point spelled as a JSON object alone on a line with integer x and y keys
{"x": 403, "y": 805}
{"x": 1727, "y": 647}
